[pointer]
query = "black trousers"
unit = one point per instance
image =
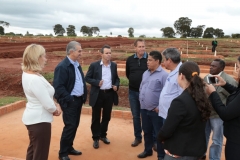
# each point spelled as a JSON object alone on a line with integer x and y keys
{"x": 213, "y": 48}
{"x": 71, "y": 118}
{"x": 232, "y": 151}
{"x": 105, "y": 102}
{"x": 39, "y": 136}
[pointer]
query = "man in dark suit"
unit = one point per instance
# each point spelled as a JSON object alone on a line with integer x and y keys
{"x": 70, "y": 93}
{"x": 104, "y": 80}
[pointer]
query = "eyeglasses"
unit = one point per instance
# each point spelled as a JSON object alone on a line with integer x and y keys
{"x": 139, "y": 63}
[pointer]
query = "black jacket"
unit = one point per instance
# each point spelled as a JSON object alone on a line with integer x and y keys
{"x": 183, "y": 132}
{"x": 94, "y": 76}
{"x": 64, "y": 80}
{"x": 230, "y": 113}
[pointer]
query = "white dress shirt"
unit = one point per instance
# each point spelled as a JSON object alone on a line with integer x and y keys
{"x": 106, "y": 76}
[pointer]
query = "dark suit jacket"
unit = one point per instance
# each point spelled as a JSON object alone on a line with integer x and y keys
{"x": 230, "y": 113}
{"x": 183, "y": 132}
{"x": 94, "y": 76}
{"x": 64, "y": 80}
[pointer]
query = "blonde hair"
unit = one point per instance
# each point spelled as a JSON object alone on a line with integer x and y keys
{"x": 30, "y": 57}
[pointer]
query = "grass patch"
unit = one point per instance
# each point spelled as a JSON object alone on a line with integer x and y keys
{"x": 121, "y": 108}
{"x": 48, "y": 76}
{"x": 85, "y": 67}
{"x": 124, "y": 81}
{"x": 7, "y": 100}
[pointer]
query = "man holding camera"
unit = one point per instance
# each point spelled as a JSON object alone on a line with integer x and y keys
{"x": 215, "y": 123}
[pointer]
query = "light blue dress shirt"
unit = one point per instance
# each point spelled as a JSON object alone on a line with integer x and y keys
{"x": 170, "y": 91}
{"x": 78, "y": 86}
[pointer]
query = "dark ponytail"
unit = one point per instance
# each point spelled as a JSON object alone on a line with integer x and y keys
{"x": 196, "y": 87}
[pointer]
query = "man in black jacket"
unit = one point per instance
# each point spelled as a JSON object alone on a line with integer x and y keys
{"x": 70, "y": 93}
{"x": 104, "y": 80}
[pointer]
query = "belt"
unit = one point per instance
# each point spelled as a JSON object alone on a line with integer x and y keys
{"x": 106, "y": 90}
{"x": 77, "y": 96}
{"x": 172, "y": 155}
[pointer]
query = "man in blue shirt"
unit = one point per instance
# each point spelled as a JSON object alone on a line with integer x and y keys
{"x": 151, "y": 86}
{"x": 171, "y": 89}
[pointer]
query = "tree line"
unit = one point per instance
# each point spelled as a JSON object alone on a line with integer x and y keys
{"x": 85, "y": 30}
{"x": 182, "y": 27}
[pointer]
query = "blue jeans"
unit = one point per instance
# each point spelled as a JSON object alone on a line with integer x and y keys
{"x": 135, "y": 108}
{"x": 216, "y": 125}
{"x": 151, "y": 122}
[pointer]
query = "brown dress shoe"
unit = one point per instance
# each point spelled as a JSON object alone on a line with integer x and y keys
{"x": 136, "y": 142}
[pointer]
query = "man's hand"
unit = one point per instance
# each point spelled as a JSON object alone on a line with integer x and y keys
{"x": 100, "y": 83}
{"x": 114, "y": 88}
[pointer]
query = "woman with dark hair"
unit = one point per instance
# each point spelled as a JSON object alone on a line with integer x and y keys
{"x": 230, "y": 114}
{"x": 183, "y": 132}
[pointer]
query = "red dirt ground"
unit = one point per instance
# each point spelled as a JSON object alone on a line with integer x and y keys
{"x": 12, "y": 50}
{"x": 14, "y": 139}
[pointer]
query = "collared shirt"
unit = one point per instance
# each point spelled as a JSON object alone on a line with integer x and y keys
{"x": 144, "y": 55}
{"x": 170, "y": 91}
{"x": 106, "y": 76}
{"x": 151, "y": 87}
{"x": 78, "y": 86}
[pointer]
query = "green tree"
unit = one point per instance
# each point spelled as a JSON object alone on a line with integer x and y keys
{"x": 58, "y": 30}
{"x": 85, "y": 30}
{"x": 10, "y": 34}
{"x": 209, "y": 32}
{"x": 130, "y": 32}
{"x": 236, "y": 35}
{"x": 142, "y": 36}
{"x": 71, "y": 31}
{"x": 94, "y": 30}
{"x": 168, "y": 32}
{"x": 219, "y": 33}
{"x": 4, "y": 23}
{"x": 1, "y": 30}
{"x": 197, "y": 31}
{"x": 182, "y": 26}
{"x": 110, "y": 33}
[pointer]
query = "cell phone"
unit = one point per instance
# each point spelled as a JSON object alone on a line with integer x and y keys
{"x": 211, "y": 80}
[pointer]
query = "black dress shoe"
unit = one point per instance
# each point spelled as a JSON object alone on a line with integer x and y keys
{"x": 105, "y": 140}
{"x": 136, "y": 142}
{"x": 96, "y": 144}
{"x": 64, "y": 158}
{"x": 144, "y": 154}
{"x": 75, "y": 152}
